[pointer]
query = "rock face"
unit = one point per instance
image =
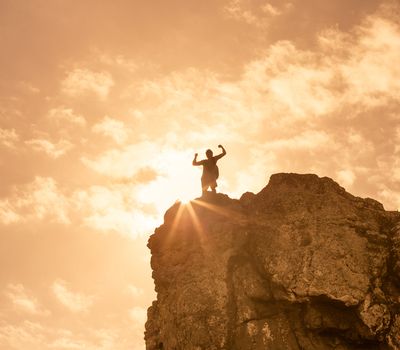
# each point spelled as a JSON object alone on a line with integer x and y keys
{"x": 301, "y": 265}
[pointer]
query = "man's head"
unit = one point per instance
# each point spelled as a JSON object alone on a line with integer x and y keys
{"x": 209, "y": 153}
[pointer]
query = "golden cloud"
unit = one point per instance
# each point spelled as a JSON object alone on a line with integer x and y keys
{"x": 81, "y": 81}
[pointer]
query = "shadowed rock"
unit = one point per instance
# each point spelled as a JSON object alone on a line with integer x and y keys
{"x": 301, "y": 265}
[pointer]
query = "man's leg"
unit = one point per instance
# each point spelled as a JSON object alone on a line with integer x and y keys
{"x": 204, "y": 186}
{"x": 213, "y": 186}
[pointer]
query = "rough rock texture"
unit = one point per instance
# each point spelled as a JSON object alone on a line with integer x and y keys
{"x": 301, "y": 265}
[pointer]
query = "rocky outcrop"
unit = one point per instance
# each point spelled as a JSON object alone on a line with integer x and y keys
{"x": 301, "y": 265}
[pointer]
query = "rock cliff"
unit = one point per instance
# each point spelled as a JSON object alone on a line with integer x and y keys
{"x": 301, "y": 265}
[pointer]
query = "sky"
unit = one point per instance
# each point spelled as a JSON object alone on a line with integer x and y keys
{"x": 104, "y": 103}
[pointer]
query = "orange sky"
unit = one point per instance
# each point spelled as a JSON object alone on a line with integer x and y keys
{"x": 104, "y": 103}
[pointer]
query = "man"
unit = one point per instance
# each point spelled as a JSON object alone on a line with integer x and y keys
{"x": 210, "y": 169}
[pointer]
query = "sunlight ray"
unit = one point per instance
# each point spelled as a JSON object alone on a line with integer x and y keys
{"x": 215, "y": 208}
{"x": 232, "y": 214}
{"x": 176, "y": 221}
{"x": 197, "y": 224}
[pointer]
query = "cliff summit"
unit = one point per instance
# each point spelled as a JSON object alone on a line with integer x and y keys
{"x": 301, "y": 265}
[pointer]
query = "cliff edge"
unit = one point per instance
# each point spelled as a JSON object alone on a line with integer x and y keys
{"x": 301, "y": 265}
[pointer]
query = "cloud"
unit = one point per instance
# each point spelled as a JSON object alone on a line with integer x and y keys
{"x": 138, "y": 315}
{"x": 8, "y": 214}
{"x": 118, "y": 163}
{"x": 272, "y": 10}
{"x": 253, "y": 13}
{"x": 113, "y": 128}
{"x": 62, "y": 114}
{"x": 8, "y": 137}
{"x": 115, "y": 209}
{"x": 112, "y": 208}
{"x": 176, "y": 177}
{"x": 66, "y": 343}
{"x": 346, "y": 177}
{"x": 73, "y": 301}
{"x": 54, "y": 150}
{"x": 82, "y": 81}
{"x": 23, "y": 300}
{"x": 370, "y": 76}
{"x": 387, "y": 195}
{"x": 27, "y": 335}
{"x": 287, "y": 83}
{"x": 236, "y": 10}
{"x": 135, "y": 291}
{"x": 118, "y": 60}
{"x": 92, "y": 339}
{"x": 28, "y": 87}
{"x": 39, "y": 336}
{"x": 325, "y": 110}
{"x": 309, "y": 139}
{"x": 38, "y": 200}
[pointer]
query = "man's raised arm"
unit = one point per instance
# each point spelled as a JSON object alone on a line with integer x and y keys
{"x": 222, "y": 154}
{"x": 195, "y": 162}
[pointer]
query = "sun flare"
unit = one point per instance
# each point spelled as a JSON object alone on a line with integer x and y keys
{"x": 178, "y": 180}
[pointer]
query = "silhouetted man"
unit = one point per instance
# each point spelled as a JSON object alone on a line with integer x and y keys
{"x": 210, "y": 169}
